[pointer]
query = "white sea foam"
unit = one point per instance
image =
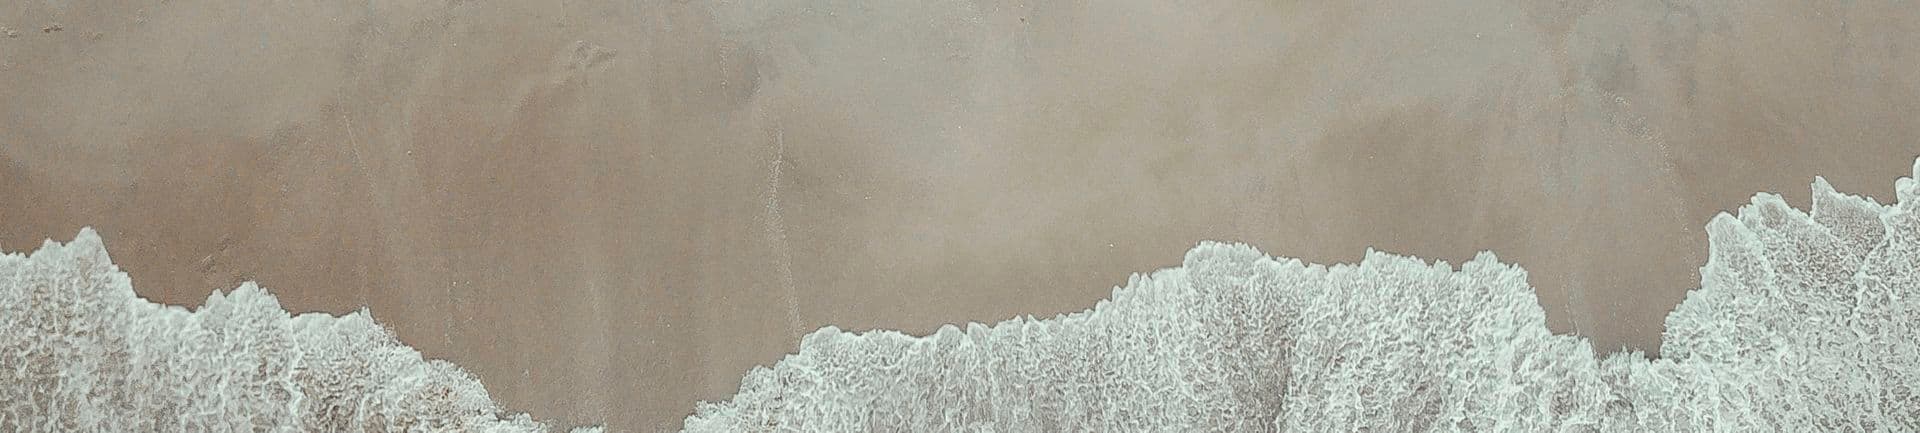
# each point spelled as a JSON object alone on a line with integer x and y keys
{"x": 79, "y": 352}
{"x": 1802, "y": 323}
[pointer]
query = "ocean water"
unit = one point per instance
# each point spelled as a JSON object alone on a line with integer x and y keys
{"x": 80, "y": 352}
{"x": 1804, "y": 321}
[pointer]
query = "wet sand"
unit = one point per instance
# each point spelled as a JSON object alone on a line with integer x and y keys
{"x": 611, "y": 210}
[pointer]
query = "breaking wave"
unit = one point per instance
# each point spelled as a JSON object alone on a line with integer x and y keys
{"x": 80, "y": 352}
{"x": 1803, "y": 322}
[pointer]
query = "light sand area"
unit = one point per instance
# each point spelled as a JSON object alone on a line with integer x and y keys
{"x": 611, "y": 210}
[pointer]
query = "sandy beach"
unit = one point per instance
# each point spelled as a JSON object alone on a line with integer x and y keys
{"x": 611, "y": 210}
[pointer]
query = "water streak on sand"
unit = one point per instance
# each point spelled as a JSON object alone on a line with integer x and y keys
{"x": 777, "y": 234}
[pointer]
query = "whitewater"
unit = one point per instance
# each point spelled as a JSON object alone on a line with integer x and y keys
{"x": 1803, "y": 321}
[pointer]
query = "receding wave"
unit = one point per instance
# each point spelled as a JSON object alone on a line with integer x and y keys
{"x": 1803, "y": 322}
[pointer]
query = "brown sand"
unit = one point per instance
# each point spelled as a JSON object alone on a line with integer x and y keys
{"x": 610, "y": 210}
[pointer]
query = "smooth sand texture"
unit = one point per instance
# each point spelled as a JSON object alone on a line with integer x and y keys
{"x": 610, "y": 210}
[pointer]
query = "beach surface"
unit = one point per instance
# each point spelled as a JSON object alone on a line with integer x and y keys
{"x": 611, "y": 210}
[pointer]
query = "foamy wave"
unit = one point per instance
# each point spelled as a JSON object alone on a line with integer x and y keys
{"x": 80, "y": 352}
{"x": 1802, "y": 323}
